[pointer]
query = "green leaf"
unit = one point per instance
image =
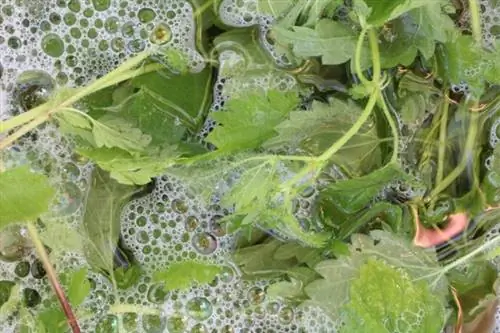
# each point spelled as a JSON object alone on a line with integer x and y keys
{"x": 52, "y": 320}
{"x": 61, "y": 238}
{"x": 129, "y": 168}
{"x": 247, "y": 121}
{"x": 467, "y": 62}
{"x": 19, "y": 203}
{"x": 163, "y": 102}
{"x": 285, "y": 289}
{"x": 108, "y": 131}
{"x": 416, "y": 31}
{"x": 354, "y": 194}
{"x": 127, "y": 277}
{"x": 182, "y": 275}
{"x": 101, "y": 222}
{"x": 315, "y": 130}
{"x": 77, "y": 286}
{"x": 332, "y": 292}
{"x": 382, "y": 11}
{"x": 112, "y": 132}
{"x": 384, "y": 299}
{"x": 11, "y": 304}
{"x": 332, "y": 41}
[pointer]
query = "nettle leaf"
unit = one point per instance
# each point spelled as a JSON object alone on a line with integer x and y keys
{"x": 258, "y": 260}
{"x": 354, "y": 194}
{"x": 418, "y": 96}
{"x": 101, "y": 222}
{"x": 468, "y": 62}
{"x": 331, "y": 40}
{"x": 19, "y": 203}
{"x": 108, "y": 131}
{"x": 385, "y": 299}
{"x": 61, "y": 238}
{"x": 333, "y": 291}
{"x": 77, "y": 286}
{"x": 163, "y": 102}
{"x": 382, "y": 11}
{"x": 416, "y": 31}
{"x": 129, "y": 168}
{"x": 316, "y": 129}
{"x": 182, "y": 275}
{"x": 247, "y": 121}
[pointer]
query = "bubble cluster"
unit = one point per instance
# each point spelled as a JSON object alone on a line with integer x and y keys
{"x": 76, "y": 41}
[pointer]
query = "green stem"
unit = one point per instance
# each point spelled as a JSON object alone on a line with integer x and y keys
{"x": 442, "y": 140}
{"x": 357, "y": 59}
{"x": 372, "y": 36}
{"x": 469, "y": 146}
{"x": 394, "y": 129}
{"x": 4, "y": 143}
{"x": 52, "y": 276}
{"x": 475, "y": 21}
{"x": 352, "y": 131}
{"x": 34, "y": 117}
{"x": 131, "y": 308}
{"x": 21, "y": 119}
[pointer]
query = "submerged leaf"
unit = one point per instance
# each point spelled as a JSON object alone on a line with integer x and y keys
{"x": 384, "y": 299}
{"x": 101, "y": 222}
{"x": 331, "y": 40}
{"x": 20, "y": 203}
{"x": 354, "y": 194}
{"x": 249, "y": 120}
{"x": 183, "y": 275}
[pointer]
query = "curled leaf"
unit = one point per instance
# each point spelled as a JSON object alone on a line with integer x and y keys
{"x": 431, "y": 237}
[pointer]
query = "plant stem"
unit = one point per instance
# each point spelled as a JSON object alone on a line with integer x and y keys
{"x": 23, "y": 118}
{"x": 394, "y": 128}
{"x": 4, "y": 143}
{"x": 130, "y": 308}
{"x": 469, "y": 145}
{"x": 52, "y": 276}
{"x": 372, "y": 36}
{"x": 357, "y": 59}
{"x": 352, "y": 131}
{"x": 34, "y": 117}
{"x": 475, "y": 21}
{"x": 442, "y": 140}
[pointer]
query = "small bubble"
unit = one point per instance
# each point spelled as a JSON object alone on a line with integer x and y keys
{"x": 204, "y": 243}
{"x": 286, "y": 315}
{"x": 112, "y": 24}
{"x": 157, "y": 294}
{"x": 191, "y": 223}
{"x": 179, "y": 206}
{"x": 128, "y": 29}
{"x": 199, "y": 328}
{"x": 22, "y": 269}
{"x": 256, "y": 295}
{"x": 14, "y": 43}
{"x": 117, "y": 44}
{"x": 216, "y": 227}
{"x": 273, "y": 308}
{"x": 199, "y": 308}
{"x": 227, "y": 274}
{"x": 152, "y": 324}
{"x": 227, "y": 329}
{"x": 69, "y": 200}
{"x": 161, "y": 34}
{"x": 101, "y": 5}
{"x": 146, "y": 15}
{"x": 108, "y": 324}
{"x": 74, "y": 5}
{"x": 176, "y": 324}
{"x": 53, "y": 45}
{"x": 31, "y": 297}
{"x": 142, "y": 237}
